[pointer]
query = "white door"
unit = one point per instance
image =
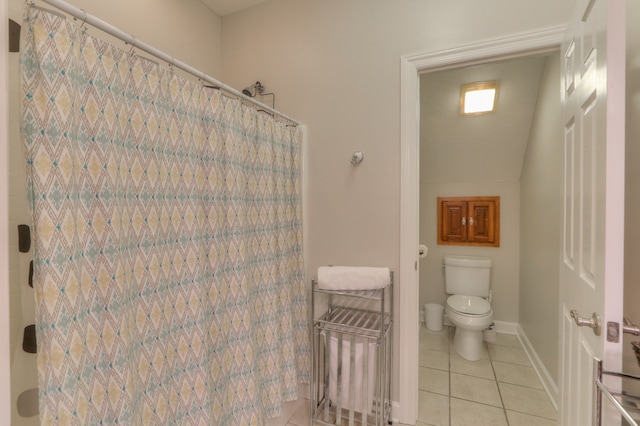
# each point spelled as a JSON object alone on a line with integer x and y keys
{"x": 591, "y": 268}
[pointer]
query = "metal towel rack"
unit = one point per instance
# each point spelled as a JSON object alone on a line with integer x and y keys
{"x": 627, "y": 405}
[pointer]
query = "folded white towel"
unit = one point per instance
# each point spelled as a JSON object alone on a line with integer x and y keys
{"x": 352, "y": 277}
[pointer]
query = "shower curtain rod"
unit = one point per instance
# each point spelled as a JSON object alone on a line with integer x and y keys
{"x": 135, "y": 43}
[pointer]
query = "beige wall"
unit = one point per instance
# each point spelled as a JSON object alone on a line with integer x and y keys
{"x": 540, "y": 220}
{"x": 504, "y": 268}
{"x": 184, "y": 29}
{"x": 482, "y": 155}
{"x": 335, "y": 65}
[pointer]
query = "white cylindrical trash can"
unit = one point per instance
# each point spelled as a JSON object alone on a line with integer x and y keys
{"x": 434, "y": 314}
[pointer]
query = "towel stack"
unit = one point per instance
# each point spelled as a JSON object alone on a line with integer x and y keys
{"x": 352, "y": 278}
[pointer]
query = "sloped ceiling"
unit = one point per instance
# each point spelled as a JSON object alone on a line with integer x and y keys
{"x": 227, "y": 7}
{"x": 483, "y": 148}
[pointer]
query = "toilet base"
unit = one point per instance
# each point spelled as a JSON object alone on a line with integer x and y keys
{"x": 469, "y": 344}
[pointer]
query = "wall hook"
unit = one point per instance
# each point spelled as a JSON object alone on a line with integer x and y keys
{"x": 357, "y": 158}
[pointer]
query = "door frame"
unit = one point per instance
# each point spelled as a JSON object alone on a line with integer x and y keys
{"x": 516, "y": 45}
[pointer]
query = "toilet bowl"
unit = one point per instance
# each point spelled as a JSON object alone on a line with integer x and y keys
{"x": 471, "y": 315}
{"x": 467, "y": 281}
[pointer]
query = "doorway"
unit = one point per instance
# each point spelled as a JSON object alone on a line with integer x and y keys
{"x": 516, "y": 154}
{"x": 537, "y": 42}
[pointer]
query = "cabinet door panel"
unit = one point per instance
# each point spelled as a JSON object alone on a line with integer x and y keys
{"x": 471, "y": 221}
{"x": 481, "y": 221}
{"x": 453, "y": 227}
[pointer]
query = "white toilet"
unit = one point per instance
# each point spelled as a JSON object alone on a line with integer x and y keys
{"x": 467, "y": 282}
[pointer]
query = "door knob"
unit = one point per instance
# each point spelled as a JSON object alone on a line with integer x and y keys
{"x": 629, "y": 327}
{"x": 593, "y": 322}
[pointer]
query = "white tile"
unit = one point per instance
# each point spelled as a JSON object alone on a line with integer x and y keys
{"x": 517, "y": 374}
{"x": 485, "y": 351}
{"x": 433, "y": 409}
{"x": 510, "y": 340}
{"x": 432, "y": 380}
{"x": 481, "y": 368}
{"x": 527, "y": 400}
{"x": 434, "y": 341}
{"x": 507, "y": 354}
{"x": 445, "y": 330}
{"x": 475, "y": 389}
{"x": 465, "y": 413}
{"x": 521, "y": 419}
{"x": 434, "y": 359}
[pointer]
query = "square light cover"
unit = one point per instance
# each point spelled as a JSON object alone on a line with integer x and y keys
{"x": 478, "y": 98}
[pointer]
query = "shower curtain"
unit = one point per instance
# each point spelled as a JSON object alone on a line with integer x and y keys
{"x": 168, "y": 243}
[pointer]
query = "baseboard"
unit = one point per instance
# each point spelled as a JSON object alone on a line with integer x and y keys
{"x": 395, "y": 408}
{"x": 506, "y": 327}
{"x": 545, "y": 378}
{"x": 304, "y": 391}
{"x": 501, "y": 326}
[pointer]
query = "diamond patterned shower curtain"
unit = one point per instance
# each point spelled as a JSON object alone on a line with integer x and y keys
{"x": 168, "y": 241}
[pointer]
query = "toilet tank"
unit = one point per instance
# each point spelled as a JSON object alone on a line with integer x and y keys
{"x": 467, "y": 275}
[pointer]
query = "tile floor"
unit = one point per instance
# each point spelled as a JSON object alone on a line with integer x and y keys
{"x": 502, "y": 389}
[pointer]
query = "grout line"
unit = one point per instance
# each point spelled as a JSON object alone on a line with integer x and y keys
{"x": 450, "y": 346}
{"x": 450, "y": 397}
{"x": 504, "y": 408}
{"x": 533, "y": 415}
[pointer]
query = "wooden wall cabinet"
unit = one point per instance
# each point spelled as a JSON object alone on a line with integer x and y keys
{"x": 469, "y": 221}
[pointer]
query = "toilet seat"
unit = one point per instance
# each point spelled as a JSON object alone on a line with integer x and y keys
{"x": 471, "y": 306}
{"x": 470, "y": 315}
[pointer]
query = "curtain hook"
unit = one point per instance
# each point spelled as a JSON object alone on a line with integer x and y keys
{"x": 83, "y": 26}
{"x": 133, "y": 45}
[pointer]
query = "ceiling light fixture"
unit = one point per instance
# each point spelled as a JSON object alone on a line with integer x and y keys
{"x": 478, "y": 98}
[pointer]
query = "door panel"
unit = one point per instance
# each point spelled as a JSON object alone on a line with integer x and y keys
{"x": 591, "y": 268}
{"x": 454, "y": 221}
{"x": 481, "y": 227}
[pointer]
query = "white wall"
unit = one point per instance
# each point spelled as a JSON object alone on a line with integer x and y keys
{"x": 335, "y": 65}
{"x": 540, "y": 220}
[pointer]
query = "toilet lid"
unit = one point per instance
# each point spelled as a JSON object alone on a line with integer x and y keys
{"x": 468, "y": 305}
